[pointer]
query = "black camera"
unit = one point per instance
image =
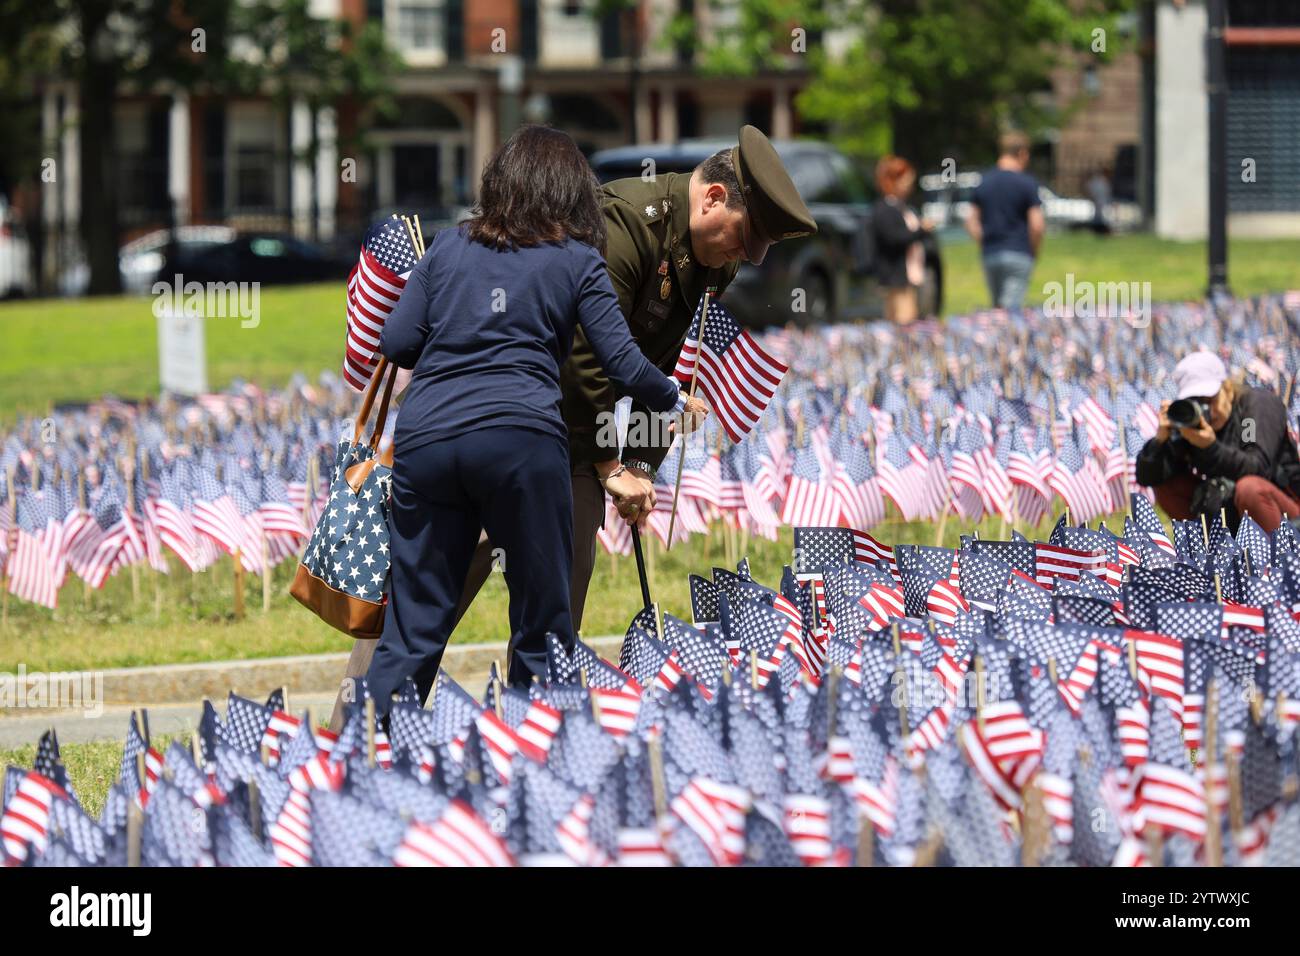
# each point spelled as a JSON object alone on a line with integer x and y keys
{"x": 1187, "y": 412}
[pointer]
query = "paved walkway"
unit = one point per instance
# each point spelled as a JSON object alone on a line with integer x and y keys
{"x": 97, "y": 705}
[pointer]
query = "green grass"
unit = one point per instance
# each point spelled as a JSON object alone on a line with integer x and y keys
{"x": 92, "y": 767}
{"x": 76, "y": 350}
{"x": 194, "y": 621}
{"x": 1176, "y": 270}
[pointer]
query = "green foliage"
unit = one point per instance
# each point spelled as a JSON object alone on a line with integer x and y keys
{"x": 929, "y": 78}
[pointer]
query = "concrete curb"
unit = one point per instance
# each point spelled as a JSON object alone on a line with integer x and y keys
{"x": 255, "y": 678}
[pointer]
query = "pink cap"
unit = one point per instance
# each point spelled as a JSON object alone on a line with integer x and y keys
{"x": 1200, "y": 375}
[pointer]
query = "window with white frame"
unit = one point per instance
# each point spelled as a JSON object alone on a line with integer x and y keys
{"x": 418, "y": 26}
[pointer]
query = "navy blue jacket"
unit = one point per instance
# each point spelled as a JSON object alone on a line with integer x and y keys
{"x": 487, "y": 331}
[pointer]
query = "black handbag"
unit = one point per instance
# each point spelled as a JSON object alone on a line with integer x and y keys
{"x": 1213, "y": 495}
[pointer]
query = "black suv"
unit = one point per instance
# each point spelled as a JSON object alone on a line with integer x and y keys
{"x": 835, "y": 267}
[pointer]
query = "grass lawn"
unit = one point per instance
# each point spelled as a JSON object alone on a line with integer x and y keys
{"x": 192, "y": 617}
{"x": 75, "y": 350}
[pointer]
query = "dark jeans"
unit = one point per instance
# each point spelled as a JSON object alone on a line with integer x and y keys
{"x": 514, "y": 484}
{"x": 1007, "y": 275}
{"x": 1258, "y": 497}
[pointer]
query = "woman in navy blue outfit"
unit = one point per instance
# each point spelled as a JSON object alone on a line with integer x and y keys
{"x": 486, "y": 321}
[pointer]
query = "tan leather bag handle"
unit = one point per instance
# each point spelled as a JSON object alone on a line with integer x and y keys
{"x": 357, "y": 474}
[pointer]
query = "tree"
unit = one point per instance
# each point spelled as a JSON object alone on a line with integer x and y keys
{"x": 302, "y": 58}
{"x": 925, "y": 78}
{"x": 112, "y": 46}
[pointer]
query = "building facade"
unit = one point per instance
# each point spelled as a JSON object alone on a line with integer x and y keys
{"x": 473, "y": 70}
{"x": 1263, "y": 109}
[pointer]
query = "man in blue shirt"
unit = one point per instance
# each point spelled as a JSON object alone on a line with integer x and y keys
{"x": 1006, "y": 219}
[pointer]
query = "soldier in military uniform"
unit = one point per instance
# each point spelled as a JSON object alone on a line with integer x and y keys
{"x": 670, "y": 237}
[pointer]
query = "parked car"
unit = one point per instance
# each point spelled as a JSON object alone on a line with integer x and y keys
{"x": 215, "y": 254}
{"x": 835, "y": 267}
{"x": 15, "y": 255}
{"x": 946, "y": 201}
{"x": 267, "y": 257}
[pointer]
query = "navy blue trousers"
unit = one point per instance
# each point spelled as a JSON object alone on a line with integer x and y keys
{"x": 515, "y": 484}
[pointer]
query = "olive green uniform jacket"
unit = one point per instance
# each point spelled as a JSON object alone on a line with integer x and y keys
{"x": 659, "y": 285}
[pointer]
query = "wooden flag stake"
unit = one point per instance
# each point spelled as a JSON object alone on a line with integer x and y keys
{"x": 1155, "y": 845}
{"x": 753, "y": 668}
{"x": 1235, "y": 810}
{"x": 866, "y": 841}
{"x": 255, "y": 809}
{"x": 1213, "y": 832}
{"x": 239, "y": 586}
{"x": 266, "y": 575}
{"x": 681, "y": 458}
{"x": 657, "y": 778}
{"x": 943, "y": 518}
{"x": 1033, "y": 838}
{"x": 370, "y": 732}
{"x": 1205, "y": 532}
{"x": 134, "y": 831}
{"x": 410, "y": 231}
{"x": 832, "y": 685}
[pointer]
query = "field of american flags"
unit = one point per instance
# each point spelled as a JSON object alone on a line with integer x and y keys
{"x": 987, "y": 424}
{"x": 829, "y": 719}
{"x": 167, "y": 493}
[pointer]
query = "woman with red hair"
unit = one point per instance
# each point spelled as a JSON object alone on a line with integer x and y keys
{"x": 900, "y": 258}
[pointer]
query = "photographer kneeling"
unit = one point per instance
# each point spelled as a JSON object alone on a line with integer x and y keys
{"x": 1221, "y": 445}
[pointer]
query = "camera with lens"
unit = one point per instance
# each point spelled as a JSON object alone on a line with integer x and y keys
{"x": 1187, "y": 412}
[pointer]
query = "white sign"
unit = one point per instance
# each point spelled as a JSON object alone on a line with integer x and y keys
{"x": 182, "y": 357}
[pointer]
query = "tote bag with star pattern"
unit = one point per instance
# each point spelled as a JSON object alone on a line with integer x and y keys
{"x": 343, "y": 575}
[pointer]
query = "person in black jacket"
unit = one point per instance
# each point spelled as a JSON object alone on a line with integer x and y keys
{"x": 900, "y": 257}
{"x": 486, "y": 321}
{"x": 1241, "y": 441}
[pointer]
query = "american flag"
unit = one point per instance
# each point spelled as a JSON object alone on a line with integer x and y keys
{"x": 735, "y": 374}
{"x": 861, "y": 505}
{"x": 36, "y": 566}
{"x": 902, "y": 478}
{"x": 26, "y": 821}
{"x": 811, "y": 497}
{"x": 1077, "y": 479}
{"x": 215, "y": 513}
{"x": 1145, "y": 517}
{"x": 375, "y": 284}
{"x": 459, "y": 837}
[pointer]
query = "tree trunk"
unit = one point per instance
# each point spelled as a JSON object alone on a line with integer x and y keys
{"x": 315, "y": 186}
{"x": 97, "y": 152}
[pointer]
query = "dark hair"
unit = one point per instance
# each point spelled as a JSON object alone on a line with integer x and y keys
{"x": 718, "y": 169}
{"x": 537, "y": 188}
{"x": 1013, "y": 143}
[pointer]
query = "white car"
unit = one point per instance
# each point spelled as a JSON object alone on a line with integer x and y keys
{"x": 140, "y": 260}
{"x": 15, "y": 257}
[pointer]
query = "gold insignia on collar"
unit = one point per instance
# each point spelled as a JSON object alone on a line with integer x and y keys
{"x": 684, "y": 261}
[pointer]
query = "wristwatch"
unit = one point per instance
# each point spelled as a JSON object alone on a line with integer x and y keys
{"x": 645, "y": 466}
